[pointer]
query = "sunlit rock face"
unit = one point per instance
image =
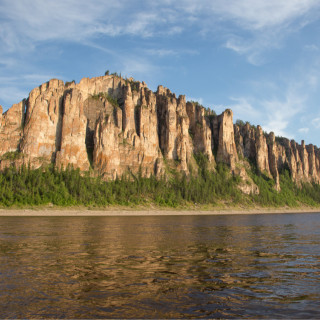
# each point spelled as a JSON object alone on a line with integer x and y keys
{"x": 11, "y": 128}
{"x": 273, "y": 160}
{"x": 227, "y": 151}
{"x": 114, "y": 126}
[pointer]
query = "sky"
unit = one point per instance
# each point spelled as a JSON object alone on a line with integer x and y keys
{"x": 260, "y": 58}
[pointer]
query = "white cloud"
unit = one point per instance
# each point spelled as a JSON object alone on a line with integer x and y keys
{"x": 261, "y": 14}
{"x": 267, "y": 24}
{"x": 279, "y": 113}
{"x": 251, "y": 50}
{"x": 25, "y": 22}
{"x": 303, "y": 130}
{"x": 312, "y": 47}
{"x": 274, "y": 114}
{"x": 169, "y": 52}
{"x": 162, "y": 52}
{"x": 243, "y": 110}
{"x": 14, "y": 88}
{"x": 316, "y": 123}
{"x": 248, "y": 27}
{"x": 32, "y": 78}
{"x": 28, "y": 22}
{"x": 10, "y": 92}
{"x": 133, "y": 66}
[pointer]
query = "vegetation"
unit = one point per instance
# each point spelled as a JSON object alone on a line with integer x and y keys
{"x": 104, "y": 95}
{"x": 116, "y": 74}
{"x": 290, "y": 195}
{"x": 11, "y": 155}
{"x": 21, "y": 187}
{"x": 133, "y": 84}
{"x": 282, "y": 141}
{"x": 68, "y": 187}
{"x": 241, "y": 123}
{"x": 68, "y": 83}
{"x": 196, "y": 103}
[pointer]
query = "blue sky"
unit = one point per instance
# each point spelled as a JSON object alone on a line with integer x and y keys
{"x": 260, "y": 58}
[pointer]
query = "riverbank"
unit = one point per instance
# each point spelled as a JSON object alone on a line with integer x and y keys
{"x": 141, "y": 211}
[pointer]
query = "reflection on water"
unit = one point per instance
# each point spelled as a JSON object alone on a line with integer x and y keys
{"x": 265, "y": 266}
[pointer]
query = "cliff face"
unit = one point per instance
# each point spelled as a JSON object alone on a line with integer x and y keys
{"x": 114, "y": 126}
{"x": 11, "y": 123}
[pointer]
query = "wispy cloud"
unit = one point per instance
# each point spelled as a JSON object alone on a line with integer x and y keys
{"x": 266, "y": 24}
{"x": 272, "y": 115}
{"x": 8, "y": 93}
{"x": 13, "y": 88}
{"x": 137, "y": 67}
{"x": 261, "y": 14}
{"x": 170, "y": 52}
{"x": 162, "y": 52}
{"x": 25, "y": 23}
{"x": 303, "y": 130}
{"x": 243, "y": 109}
{"x": 278, "y": 112}
{"x": 316, "y": 123}
{"x": 254, "y": 46}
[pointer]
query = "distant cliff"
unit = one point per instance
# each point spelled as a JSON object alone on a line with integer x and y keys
{"x": 112, "y": 125}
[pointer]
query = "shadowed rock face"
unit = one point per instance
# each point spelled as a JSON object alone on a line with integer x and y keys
{"x": 200, "y": 130}
{"x": 115, "y": 126}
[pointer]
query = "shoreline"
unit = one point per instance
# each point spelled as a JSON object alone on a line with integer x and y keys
{"x": 127, "y": 212}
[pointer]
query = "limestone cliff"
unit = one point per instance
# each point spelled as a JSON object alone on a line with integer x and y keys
{"x": 114, "y": 126}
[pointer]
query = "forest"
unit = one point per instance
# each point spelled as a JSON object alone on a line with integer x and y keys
{"x": 25, "y": 187}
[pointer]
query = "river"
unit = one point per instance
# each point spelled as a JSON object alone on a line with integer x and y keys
{"x": 222, "y": 266}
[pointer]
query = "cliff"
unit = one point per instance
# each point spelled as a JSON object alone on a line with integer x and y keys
{"x": 112, "y": 126}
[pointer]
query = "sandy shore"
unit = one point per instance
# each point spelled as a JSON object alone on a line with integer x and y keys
{"x": 148, "y": 211}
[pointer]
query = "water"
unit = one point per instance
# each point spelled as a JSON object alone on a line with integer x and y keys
{"x": 248, "y": 266}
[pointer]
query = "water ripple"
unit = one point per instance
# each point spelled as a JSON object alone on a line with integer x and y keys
{"x": 160, "y": 267}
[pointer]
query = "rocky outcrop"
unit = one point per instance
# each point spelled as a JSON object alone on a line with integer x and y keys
{"x": 227, "y": 151}
{"x": 305, "y": 160}
{"x": 11, "y": 128}
{"x": 314, "y": 175}
{"x": 42, "y": 128}
{"x": 273, "y": 160}
{"x": 272, "y": 156}
{"x": 262, "y": 159}
{"x": 246, "y": 184}
{"x": 135, "y": 148}
{"x": 72, "y": 147}
{"x": 200, "y": 130}
{"x": 173, "y": 128}
{"x": 249, "y": 146}
{"x": 114, "y": 126}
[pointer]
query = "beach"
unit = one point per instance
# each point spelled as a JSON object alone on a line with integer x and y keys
{"x": 116, "y": 211}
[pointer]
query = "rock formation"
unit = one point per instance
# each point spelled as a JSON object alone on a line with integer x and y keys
{"x": 227, "y": 151}
{"x": 262, "y": 158}
{"x": 114, "y": 126}
{"x": 273, "y": 160}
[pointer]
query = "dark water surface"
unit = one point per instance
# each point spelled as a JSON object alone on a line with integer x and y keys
{"x": 248, "y": 266}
